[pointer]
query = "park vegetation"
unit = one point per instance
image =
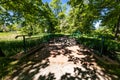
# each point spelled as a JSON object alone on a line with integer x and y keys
{"x": 41, "y": 20}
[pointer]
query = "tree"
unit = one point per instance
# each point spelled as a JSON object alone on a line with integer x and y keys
{"x": 82, "y": 15}
{"x": 56, "y": 7}
{"x": 59, "y": 11}
{"x": 105, "y": 10}
{"x": 111, "y": 18}
{"x": 30, "y": 12}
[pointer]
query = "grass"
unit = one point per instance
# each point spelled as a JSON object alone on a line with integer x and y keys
{"x": 4, "y": 36}
{"x": 111, "y": 69}
{"x": 6, "y": 67}
{"x": 111, "y": 48}
{"x": 11, "y": 46}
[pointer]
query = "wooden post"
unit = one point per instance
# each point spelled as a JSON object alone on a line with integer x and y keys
{"x": 24, "y": 41}
{"x": 24, "y": 44}
{"x": 102, "y": 44}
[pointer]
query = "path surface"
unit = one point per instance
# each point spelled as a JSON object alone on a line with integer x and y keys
{"x": 61, "y": 59}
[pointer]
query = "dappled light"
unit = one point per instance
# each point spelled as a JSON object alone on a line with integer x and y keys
{"x": 56, "y": 61}
{"x": 59, "y": 39}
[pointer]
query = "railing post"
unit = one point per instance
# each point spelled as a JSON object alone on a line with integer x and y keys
{"x": 102, "y": 44}
{"x": 24, "y": 41}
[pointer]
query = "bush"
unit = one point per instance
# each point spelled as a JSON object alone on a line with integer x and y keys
{"x": 110, "y": 47}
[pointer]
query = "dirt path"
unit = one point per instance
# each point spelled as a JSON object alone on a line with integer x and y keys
{"x": 61, "y": 59}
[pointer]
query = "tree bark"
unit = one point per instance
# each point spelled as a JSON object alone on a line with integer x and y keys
{"x": 117, "y": 30}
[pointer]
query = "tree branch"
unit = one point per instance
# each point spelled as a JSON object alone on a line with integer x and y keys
{"x": 4, "y": 2}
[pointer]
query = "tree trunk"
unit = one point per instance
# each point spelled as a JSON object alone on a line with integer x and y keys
{"x": 117, "y": 30}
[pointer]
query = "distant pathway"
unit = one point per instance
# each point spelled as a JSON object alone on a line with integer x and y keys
{"x": 61, "y": 59}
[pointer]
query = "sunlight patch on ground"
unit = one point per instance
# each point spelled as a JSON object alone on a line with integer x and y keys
{"x": 61, "y": 62}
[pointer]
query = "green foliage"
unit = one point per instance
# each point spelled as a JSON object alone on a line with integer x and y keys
{"x": 85, "y": 12}
{"x": 28, "y": 12}
{"x": 82, "y": 15}
{"x": 11, "y": 44}
{"x": 59, "y": 11}
{"x": 56, "y": 6}
{"x": 104, "y": 32}
{"x": 6, "y": 67}
{"x": 110, "y": 47}
{"x": 11, "y": 47}
{"x": 112, "y": 69}
{"x": 76, "y": 34}
{"x": 35, "y": 17}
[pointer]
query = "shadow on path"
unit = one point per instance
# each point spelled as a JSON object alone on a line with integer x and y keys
{"x": 61, "y": 59}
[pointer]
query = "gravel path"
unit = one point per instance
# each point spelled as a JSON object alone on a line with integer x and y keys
{"x": 61, "y": 59}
